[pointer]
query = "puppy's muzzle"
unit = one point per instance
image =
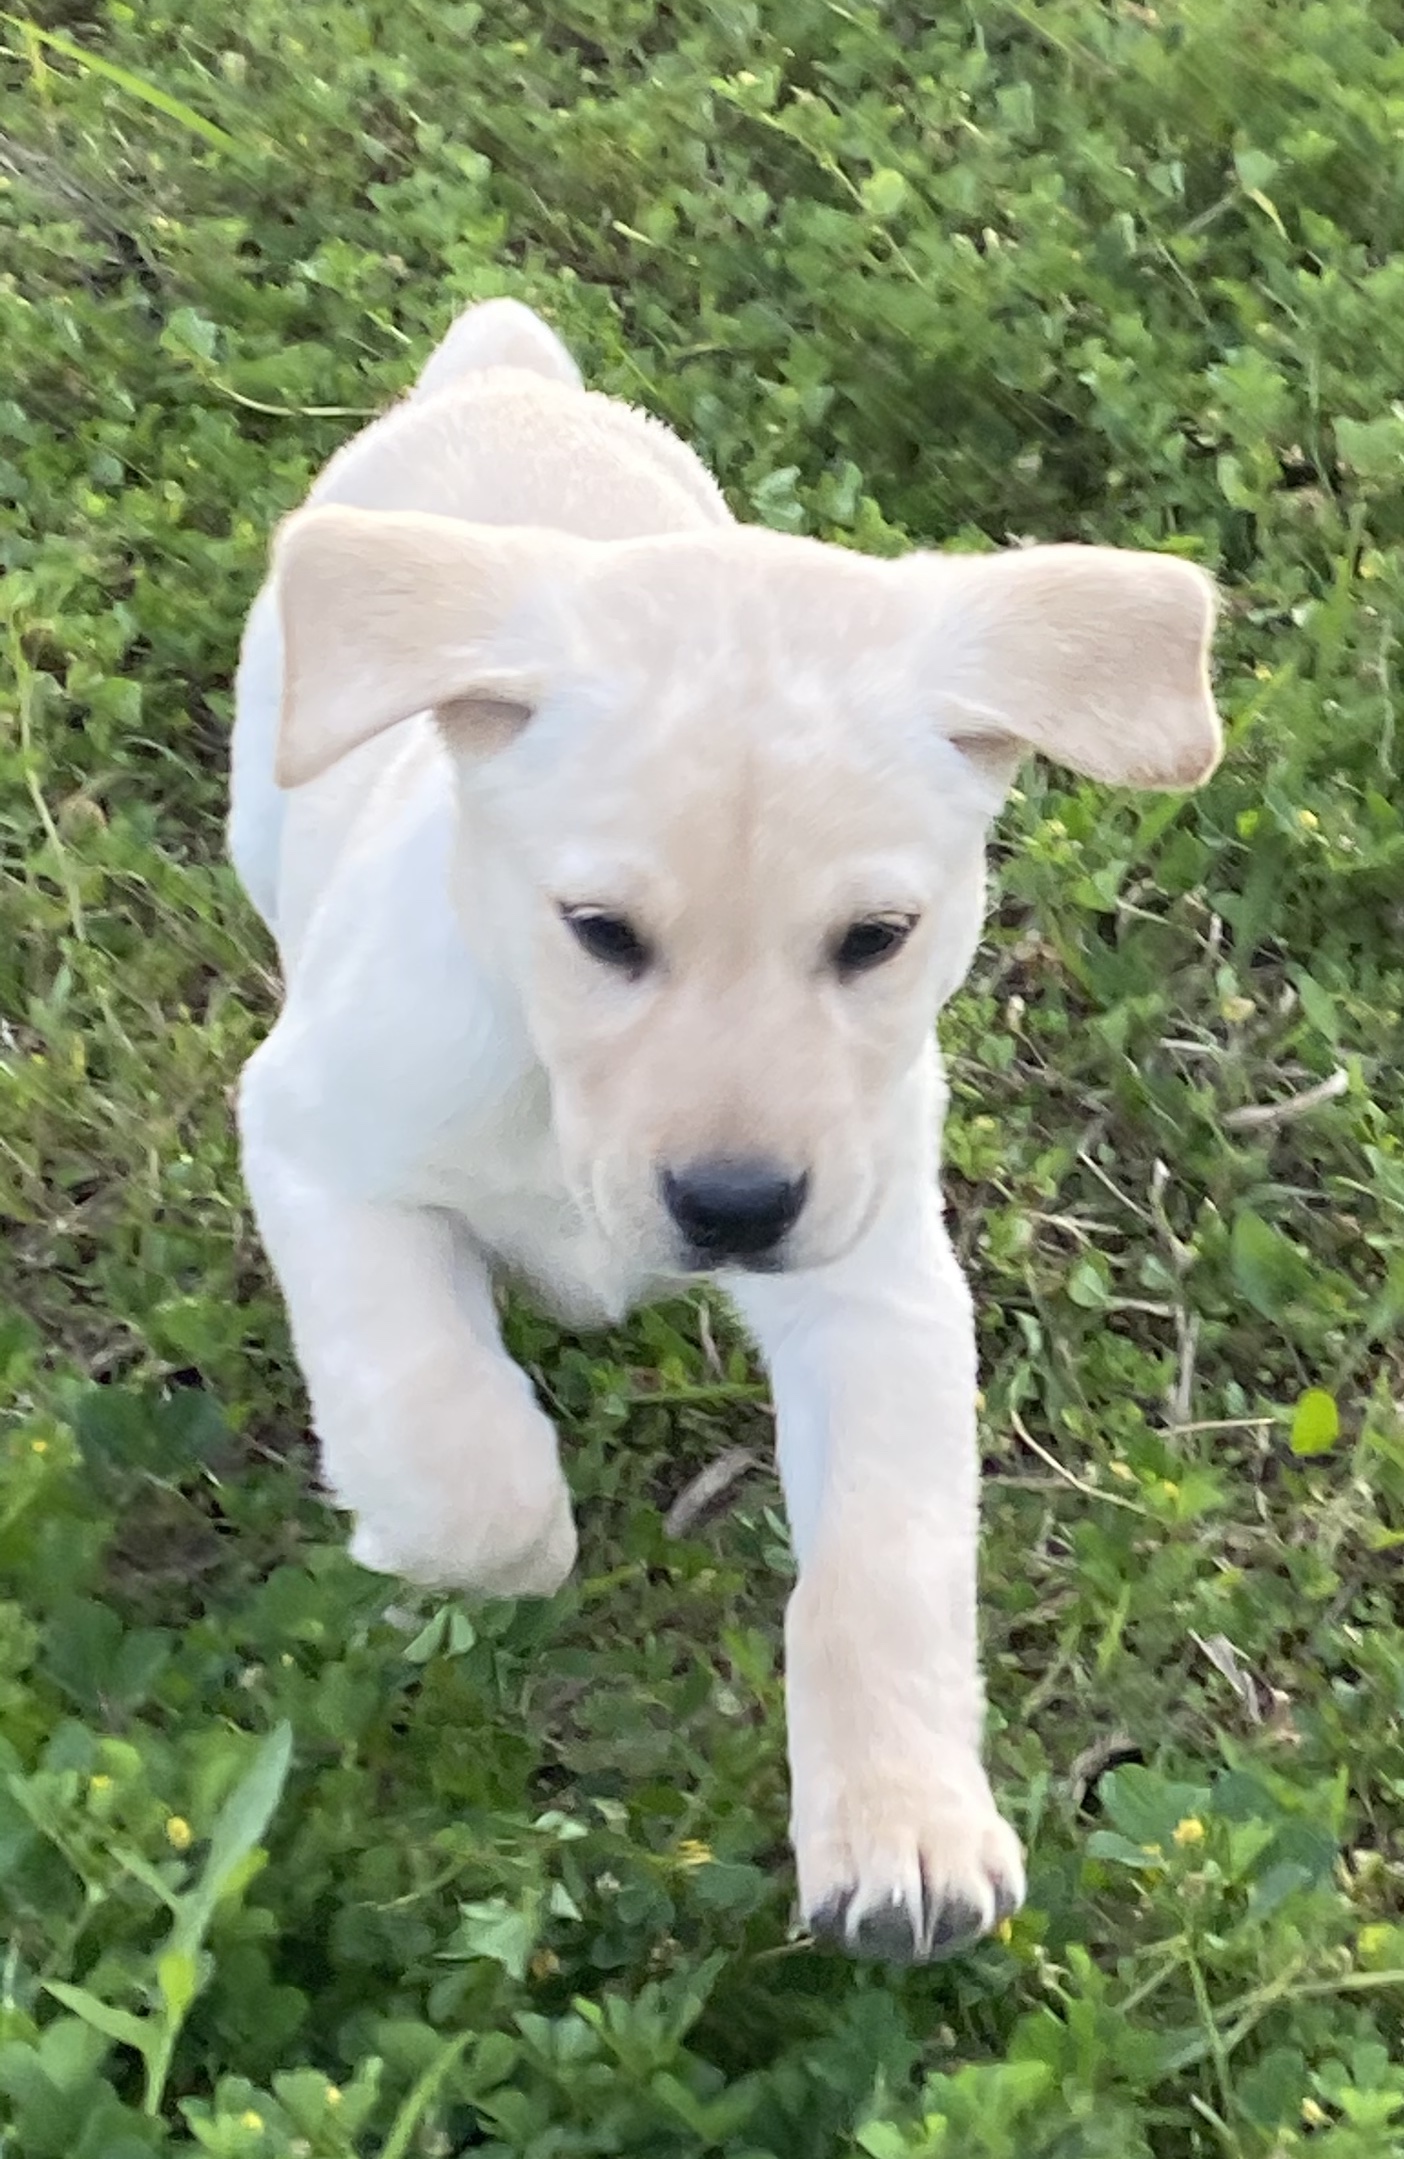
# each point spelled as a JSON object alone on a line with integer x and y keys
{"x": 734, "y": 1212}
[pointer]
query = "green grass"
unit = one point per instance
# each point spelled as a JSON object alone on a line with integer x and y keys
{"x": 520, "y": 1887}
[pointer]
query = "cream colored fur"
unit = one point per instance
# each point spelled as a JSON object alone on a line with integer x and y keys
{"x": 516, "y": 659}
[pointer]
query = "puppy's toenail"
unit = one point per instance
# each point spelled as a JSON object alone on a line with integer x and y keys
{"x": 827, "y": 1922}
{"x": 1006, "y": 1902}
{"x": 957, "y": 1924}
{"x": 886, "y": 1934}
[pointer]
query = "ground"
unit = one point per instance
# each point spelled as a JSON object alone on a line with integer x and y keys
{"x": 295, "y": 1865}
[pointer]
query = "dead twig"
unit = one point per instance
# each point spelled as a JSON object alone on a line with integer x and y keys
{"x": 1078, "y": 1484}
{"x": 1111, "y": 1752}
{"x": 1222, "y": 1424}
{"x": 1266, "y": 1116}
{"x": 1226, "y": 1662}
{"x": 703, "y": 1491}
{"x": 1090, "y": 1162}
{"x": 1182, "y": 1393}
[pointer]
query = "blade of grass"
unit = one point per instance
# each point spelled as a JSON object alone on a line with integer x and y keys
{"x": 136, "y": 86}
{"x": 421, "y": 2097}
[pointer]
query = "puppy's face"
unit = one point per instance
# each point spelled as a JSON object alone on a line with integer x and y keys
{"x": 734, "y": 871}
{"x": 722, "y": 808}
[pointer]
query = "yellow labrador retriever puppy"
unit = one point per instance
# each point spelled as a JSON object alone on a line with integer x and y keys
{"x": 620, "y": 858}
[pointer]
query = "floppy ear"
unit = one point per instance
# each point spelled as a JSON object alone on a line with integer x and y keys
{"x": 385, "y": 614}
{"x": 1098, "y": 657}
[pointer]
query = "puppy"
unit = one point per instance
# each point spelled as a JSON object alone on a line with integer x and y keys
{"x": 620, "y": 858}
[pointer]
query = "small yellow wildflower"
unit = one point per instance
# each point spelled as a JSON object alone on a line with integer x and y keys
{"x": 1263, "y": 671}
{"x": 1189, "y": 1831}
{"x": 99, "y": 1783}
{"x": 1308, "y": 820}
{"x": 38, "y": 1446}
{"x": 1005, "y": 1930}
{"x": 1169, "y": 1489}
{"x": 333, "y": 2096}
{"x": 1237, "y": 1009}
{"x": 249, "y": 2120}
{"x": 693, "y": 1853}
{"x": 179, "y": 1833}
{"x": 1313, "y": 2115}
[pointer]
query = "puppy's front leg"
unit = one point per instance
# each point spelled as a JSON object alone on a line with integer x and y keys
{"x": 900, "y": 1849}
{"x": 429, "y": 1432}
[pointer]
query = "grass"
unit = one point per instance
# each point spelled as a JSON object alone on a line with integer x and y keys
{"x": 294, "y": 1866}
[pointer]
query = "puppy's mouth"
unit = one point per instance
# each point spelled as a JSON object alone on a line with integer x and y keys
{"x": 695, "y": 1261}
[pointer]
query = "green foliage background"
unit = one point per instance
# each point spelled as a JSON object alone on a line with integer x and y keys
{"x": 291, "y": 1867}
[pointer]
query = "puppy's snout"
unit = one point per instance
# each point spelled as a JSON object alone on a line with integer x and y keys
{"x": 734, "y": 1210}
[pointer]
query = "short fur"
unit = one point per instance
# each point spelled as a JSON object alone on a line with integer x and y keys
{"x": 516, "y": 658}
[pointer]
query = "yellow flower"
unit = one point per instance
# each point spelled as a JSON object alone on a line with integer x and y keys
{"x": 1314, "y": 2116}
{"x": 693, "y": 1853}
{"x": 250, "y": 2120}
{"x": 38, "y": 1446}
{"x": 333, "y": 2096}
{"x": 1005, "y": 1930}
{"x": 179, "y": 1833}
{"x": 1308, "y": 820}
{"x": 99, "y": 1784}
{"x": 1189, "y": 1831}
{"x": 1236, "y": 1009}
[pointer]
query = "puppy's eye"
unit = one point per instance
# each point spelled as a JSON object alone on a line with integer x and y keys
{"x": 866, "y": 944}
{"x": 610, "y": 939}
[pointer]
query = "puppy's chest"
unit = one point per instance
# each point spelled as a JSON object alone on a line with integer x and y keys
{"x": 434, "y": 1123}
{"x": 502, "y": 1176}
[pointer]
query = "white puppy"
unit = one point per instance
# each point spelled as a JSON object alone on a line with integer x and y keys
{"x": 620, "y": 858}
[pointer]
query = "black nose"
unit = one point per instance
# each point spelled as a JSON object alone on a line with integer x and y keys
{"x": 733, "y": 1209}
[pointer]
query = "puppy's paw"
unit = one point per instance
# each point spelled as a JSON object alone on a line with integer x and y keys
{"x": 906, "y": 1870}
{"x": 513, "y": 1565}
{"x": 514, "y": 1538}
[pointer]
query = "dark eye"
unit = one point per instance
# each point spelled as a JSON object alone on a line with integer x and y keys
{"x": 867, "y": 944}
{"x": 610, "y": 939}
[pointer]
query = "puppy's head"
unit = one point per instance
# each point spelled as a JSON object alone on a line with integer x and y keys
{"x": 723, "y": 805}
